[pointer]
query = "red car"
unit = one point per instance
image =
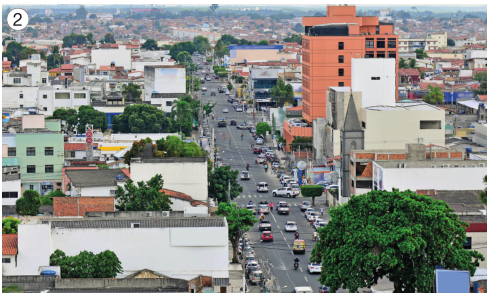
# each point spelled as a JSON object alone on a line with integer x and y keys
{"x": 256, "y": 151}
{"x": 216, "y": 77}
{"x": 267, "y": 236}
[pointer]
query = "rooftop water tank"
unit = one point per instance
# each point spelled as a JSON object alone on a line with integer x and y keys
{"x": 48, "y": 273}
{"x": 468, "y": 150}
{"x": 119, "y": 177}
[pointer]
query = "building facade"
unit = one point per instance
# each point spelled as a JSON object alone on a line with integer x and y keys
{"x": 330, "y": 43}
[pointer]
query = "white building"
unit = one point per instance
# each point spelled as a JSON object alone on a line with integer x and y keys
{"x": 376, "y": 79}
{"x": 480, "y": 134}
{"x": 34, "y": 76}
{"x": 54, "y": 97}
{"x": 16, "y": 97}
{"x": 183, "y": 33}
{"x": 476, "y": 58}
{"x": 48, "y": 42}
{"x": 139, "y": 65}
{"x": 186, "y": 175}
{"x": 120, "y": 56}
{"x": 11, "y": 184}
{"x": 80, "y": 59}
{"x": 177, "y": 247}
{"x": 164, "y": 84}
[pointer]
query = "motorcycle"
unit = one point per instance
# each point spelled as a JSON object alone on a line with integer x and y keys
{"x": 248, "y": 167}
{"x": 296, "y": 265}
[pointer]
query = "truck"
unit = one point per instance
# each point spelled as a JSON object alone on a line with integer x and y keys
{"x": 221, "y": 122}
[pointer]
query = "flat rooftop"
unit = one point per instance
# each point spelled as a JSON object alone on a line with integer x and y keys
{"x": 408, "y": 106}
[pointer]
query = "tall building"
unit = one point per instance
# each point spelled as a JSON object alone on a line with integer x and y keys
{"x": 329, "y": 44}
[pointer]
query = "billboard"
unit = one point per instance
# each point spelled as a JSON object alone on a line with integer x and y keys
{"x": 171, "y": 80}
{"x": 297, "y": 90}
{"x": 448, "y": 281}
{"x": 377, "y": 177}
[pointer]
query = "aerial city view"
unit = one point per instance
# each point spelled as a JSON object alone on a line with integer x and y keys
{"x": 241, "y": 148}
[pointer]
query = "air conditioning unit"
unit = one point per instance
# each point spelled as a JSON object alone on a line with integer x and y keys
{"x": 165, "y": 213}
{"x": 481, "y": 165}
{"x": 464, "y": 166}
{"x": 446, "y": 166}
{"x": 474, "y": 166}
{"x": 433, "y": 166}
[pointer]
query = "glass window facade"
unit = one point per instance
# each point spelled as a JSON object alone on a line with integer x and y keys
{"x": 264, "y": 83}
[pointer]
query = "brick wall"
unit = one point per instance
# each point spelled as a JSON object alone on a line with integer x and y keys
{"x": 365, "y": 156}
{"x": 77, "y": 206}
{"x": 425, "y": 191}
{"x": 382, "y": 157}
{"x": 443, "y": 155}
{"x": 456, "y": 155}
{"x": 397, "y": 156}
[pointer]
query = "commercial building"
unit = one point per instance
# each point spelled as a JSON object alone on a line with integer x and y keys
{"x": 37, "y": 148}
{"x": 262, "y": 80}
{"x": 476, "y": 58}
{"x": 170, "y": 245}
{"x": 330, "y": 43}
{"x": 252, "y": 53}
{"x": 164, "y": 84}
{"x": 19, "y": 97}
{"x": 186, "y": 175}
{"x": 98, "y": 183}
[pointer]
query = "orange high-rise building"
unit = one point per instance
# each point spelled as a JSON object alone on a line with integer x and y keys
{"x": 329, "y": 44}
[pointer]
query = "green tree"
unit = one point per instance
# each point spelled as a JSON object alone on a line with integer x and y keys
{"x": 312, "y": 191}
{"x": 262, "y": 128}
{"x": 420, "y": 54}
{"x": 222, "y": 75}
{"x": 412, "y": 63}
{"x": 230, "y": 87}
{"x": 81, "y": 12}
{"x": 282, "y": 93}
{"x": 263, "y": 42}
{"x": 68, "y": 42}
{"x": 86, "y": 115}
{"x": 182, "y": 46}
{"x": 10, "y": 225}
{"x": 140, "y": 118}
{"x": 202, "y": 44}
{"x": 213, "y": 7}
{"x": 119, "y": 23}
{"x": 218, "y": 184}
{"x": 11, "y": 289}
{"x": 86, "y": 264}
{"x": 229, "y": 40}
{"x": 304, "y": 142}
{"x": 109, "y": 38}
{"x": 62, "y": 114}
{"x": 46, "y": 199}
{"x": 150, "y": 45}
{"x": 402, "y": 63}
{"x": 25, "y": 53}
{"x": 294, "y": 39}
{"x": 92, "y": 16}
{"x": 299, "y": 28}
{"x": 450, "y": 42}
{"x": 146, "y": 196}
{"x": 133, "y": 91}
{"x": 435, "y": 96}
{"x": 239, "y": 221}
{"x": 483, "y": 193}
{"x": 184, "y": 57}
{"x": 481, "y": 76}
{"x": 399, "y": 235}
{"x": 28, "y": 204}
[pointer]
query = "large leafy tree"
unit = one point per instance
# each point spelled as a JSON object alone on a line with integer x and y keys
{"x": 403, "y": 64}
{"x": 150, "y": 45}
{"x": 78, "y": 120}
{"x": 81, "y": 12}
{"x": 262, "y": 128}
{"x": 182, "y": 46}
{"x": 201, "y": 43}
{"x": 28, "y": 204}
{"x": 184, "y": 57}
{"x": 412, "y": 63}
{"x": 219, "y": 182}
{"x": 294, "y": 39}
{"x": 109, "y": 38}
{"x": 10, "y": 225}
{"x": 239, "y": 221}
{"x": 146, "y": 196}
{"x": 399, "y": 235}
{"x": 132, "y": 91}
{"x": 450, "y": 42}
{"x": 420, "y": 54}
{"x": 435, "y": 96}
{"x": 141, "y": 118}
{"x": 282, "y": 93}
{"x": 86, "y": 264}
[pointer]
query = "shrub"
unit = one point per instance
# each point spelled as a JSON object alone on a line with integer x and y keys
{"x": 312, "y": 191}
{"x": 9, "y": 225}
{"x": 28, "y": 204}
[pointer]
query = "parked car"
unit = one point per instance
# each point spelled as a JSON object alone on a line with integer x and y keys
{"x": 251, "y": 207}
{"x": 216, "y": 77}
{"x": 247, "y": 251}
{"x": 285, "y": 191}
{"x": 259, "y": 141}
{"x": 242, "y": 126}
{"x": 250, "y": 258}
{"x": 314, "y": 268}
{"x": 255, "y": 277}
{"x": 256, "y": 151}
{"x": 319, "y": 224}
{"x": 290, "y": 226}
{"x": 283, "y": 208}
{"x": 279, "y": 173}
{"x": 245, "y": 175}
{"x": 239, "y": 109}
{"x": 252, "y": 265}
{"x": 267, "y": 236}
{"x": 262, "y": 187}
{"x": 308, "y": 210}
{"x": 323, "y": 289}
{"x": 311, "y": 216}
{"x": 265, "y": 225}
{"x": 305, "y": 205}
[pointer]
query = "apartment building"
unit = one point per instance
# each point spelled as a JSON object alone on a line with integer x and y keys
{"x": 330, "y": 43}
{"x": 410, "y": 45}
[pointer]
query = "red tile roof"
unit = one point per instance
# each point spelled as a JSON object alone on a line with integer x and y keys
{"x": 483, "y": 97}
{"x": 77, "y": 146}
{"x": 424, "y": 85}
{"x": 182, "y": 196}
{"x": 55, "y": 69}
{"x": 450, "y": 68}
{"x": 244, "y": 74}
{"x": 67, "y": 67}
{"x": 126, "y": 171}
{"x": 6, "y": 64}
{"x": 293, "y": 61}
{"x": 106, "y": 68}
{"x": 409, "y": 72}
{"x": 480, "y": 69}
{"x": 9, "y": 244}
{"x": 297, "y": 108}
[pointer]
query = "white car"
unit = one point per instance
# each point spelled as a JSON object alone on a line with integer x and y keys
{"x": 314, "y": 268}
{"x": 332, "y": 187}
{"x": 285, "y": 191}
{"x": 305, "y": 205}
{"x": 290, "y": 226}
{"x": 252, "y": 264}
{"x": 204, "y": 89}
{"x": 261, "y": 158}
{"x": 245, "y": 175}
{"x": 291, "y": 183}
{"x": 225, "y": 110}
{"x": 262, "y": 187}
{"x": 259, "y": 141}
{"x": 203, "y": 71}
{"x": 239, "y": 109}
{"x": 319, "y": 224}
{"x": 311, "y": 216}
{"x": 276, "y": 164}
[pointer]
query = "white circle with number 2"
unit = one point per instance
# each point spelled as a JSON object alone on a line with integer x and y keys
{"x": 17, "y": 19}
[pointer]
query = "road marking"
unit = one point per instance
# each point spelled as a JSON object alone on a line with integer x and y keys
{"x": 291, "y": 253}
{"x": 281, "y": 231}
{"x": 255, "y": 195}
{"x": 249, "y": 195}
{"x": 302, "y": 271}
{"x": 285, "y": 239}
{"x": 288, "y": 245}
{"x": 279, "y": 228}
{"x": 305, "y": 278}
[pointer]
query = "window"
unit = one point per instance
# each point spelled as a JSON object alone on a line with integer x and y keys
{"x": 392, "y": 54}
{"x": 45, "y": 108}
{"x": 341, "y": 45}
{"x": 341, "y": 72}
{"x": 369, "y": 54}
{"x": 106, "y": 73}
{"x": 364, "y": 125}
{"x": 44, "y": 96}
{"x": 430, "y": 124}
{"x": 62, "y": 96}
{"x": 5, "y": 260}
{"x": 21, "y": 96}
{"x": 79, "y": 96}
{"x": 21, "y": 106}
{"x": 31, "y": 151}
{"x": 375, "y": 78}
{"x": 380, "y": 54}
{"x": 341, "y": 59}
{"x": 10, "y": 194}
{"x": 17, "y": 80}
{"x": 134, "y": 225}
{"x": 377, "y": 30}
{"x": 31, "y": 169}
{"x": 369, "y": 43}
{"x": 468, "y": 243}
{"x": 391, "y": 43}
{"x": 169, "y": 103}
{"x": 44, "y": 80}
{"x": 380, "y": 43}
{"x": 48, "y": 151}
{"x": 12, "y": 152}
{"x": 341, "y": 84}
{"x": 49, "y": 169}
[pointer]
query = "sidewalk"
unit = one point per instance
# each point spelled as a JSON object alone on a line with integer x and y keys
{"x": 235, "y": 274}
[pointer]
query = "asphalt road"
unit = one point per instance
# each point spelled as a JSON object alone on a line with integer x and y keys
{"x": 236, "y": 155}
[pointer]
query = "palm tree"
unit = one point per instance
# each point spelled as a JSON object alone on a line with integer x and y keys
{"x": 181, "y": 110}
{"x": 218, "y": 50}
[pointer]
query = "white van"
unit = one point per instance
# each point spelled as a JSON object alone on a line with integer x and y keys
{"x": 262, "y": 187}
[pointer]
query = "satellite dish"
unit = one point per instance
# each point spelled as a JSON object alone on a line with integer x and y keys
{"x": 301, "y": 165}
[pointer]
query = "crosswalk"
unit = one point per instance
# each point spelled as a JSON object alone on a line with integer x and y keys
{"x": 260, "y": 195}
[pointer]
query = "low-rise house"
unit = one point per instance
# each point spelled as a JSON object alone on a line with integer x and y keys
{"x": 9, "y": 254}
{"x": 100, "y": 182}
{"x": 411, "y": 76}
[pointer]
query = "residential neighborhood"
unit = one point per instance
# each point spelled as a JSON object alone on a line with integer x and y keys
{"x": 229, "y": 148}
